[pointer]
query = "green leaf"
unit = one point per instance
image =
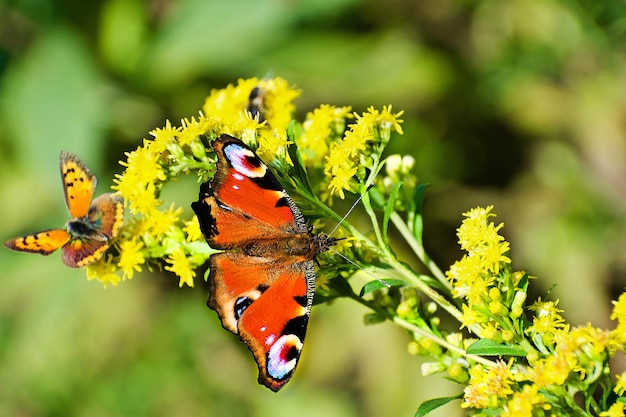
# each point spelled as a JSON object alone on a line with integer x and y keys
{"x": 418, "y": 199}
{"x": 296, "y": 158}
{"x": 523, "y": 284}
{"x": 389, "y": 209}
{"x": 430, "y": 405}
{"x": 487, "y": 347}
{"x": 377, "y": 285}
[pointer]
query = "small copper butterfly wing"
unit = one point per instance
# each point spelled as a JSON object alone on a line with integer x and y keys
{"x": 86, "y": 236}
{"x": 262, "y": 285}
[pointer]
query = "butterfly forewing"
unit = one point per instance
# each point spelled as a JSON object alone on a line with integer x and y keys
{"x": 79, "y": 184}
{"x": 44, "y": 242}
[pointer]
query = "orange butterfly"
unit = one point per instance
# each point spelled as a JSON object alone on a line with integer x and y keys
{"x": 86, "y": 236}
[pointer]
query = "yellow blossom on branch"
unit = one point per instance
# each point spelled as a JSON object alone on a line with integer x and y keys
{"x": 180, "y": 265}
{"x": 131, "y": 257}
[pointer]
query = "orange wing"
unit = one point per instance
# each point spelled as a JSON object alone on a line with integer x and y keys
{"x": 79, "y": 184}
{"x": 44, "y": 242}
{"x": 267, "y": 305}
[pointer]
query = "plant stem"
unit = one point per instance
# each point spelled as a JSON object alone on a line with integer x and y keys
{"x": 418, "y": 248}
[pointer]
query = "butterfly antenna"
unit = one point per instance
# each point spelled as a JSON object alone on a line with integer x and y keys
{"x": 369, "y": 187}
{"x": 382, "y": 281}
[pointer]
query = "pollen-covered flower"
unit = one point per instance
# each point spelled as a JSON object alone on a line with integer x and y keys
{"x": 322, "y": 125}
{"x": 389, "y": 122}
{"x": 104, "y": 271}
{"x": 341, "y": 180}
{"x": 479, "y": 236}
{"x": 192, "y": 230}
{"x": 131, "y": 257}
{"x": 193, "y": 129}
{"x": 522, "y": 403}
{"x": 616, "y": 410}
{"x": 487, "y": 386}
{"x": 162, "y": 138}
{"x": 161, "y": 222}
{"x": 355, "y": 151}
{"x": 179, "y": 264}
{"x": 620, "y": 384}
{"x": 547, "y": 318}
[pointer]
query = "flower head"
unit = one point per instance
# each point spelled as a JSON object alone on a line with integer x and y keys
{"x": 180, "y": 265}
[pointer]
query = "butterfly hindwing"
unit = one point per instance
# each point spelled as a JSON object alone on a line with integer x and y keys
{"x": 262, "y": 286}
{"x": 83, "y": 250}
{"x": 106, "y": 214}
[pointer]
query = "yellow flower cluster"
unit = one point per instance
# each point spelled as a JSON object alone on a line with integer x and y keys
{"x": 488, "y": 386}
{"x": 482, "y": 275}
{"x": 157, "y": 235}
{"x": 346, "y": 158}
{"x": 257, "y": 111}
{"x": 560, "y": 360}
{"x": 618, "y": 335}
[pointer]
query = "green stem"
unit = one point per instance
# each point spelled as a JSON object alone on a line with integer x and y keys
{"x": 399, "y": 267}
{"x": 421, "y": 332}
{"x": 442, "y": 342}
{"x": 418, "y": 248}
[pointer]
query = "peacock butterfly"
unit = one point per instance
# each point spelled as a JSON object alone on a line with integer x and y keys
{"x": 262, "y": 285}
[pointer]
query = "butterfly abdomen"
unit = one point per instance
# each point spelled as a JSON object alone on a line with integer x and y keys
{"x": 297, "y": 248}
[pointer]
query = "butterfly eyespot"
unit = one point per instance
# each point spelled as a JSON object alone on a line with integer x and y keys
{"x": 244, "y": 161}
{"x": 282, "y": 356}
{"x": 240, "y": 306}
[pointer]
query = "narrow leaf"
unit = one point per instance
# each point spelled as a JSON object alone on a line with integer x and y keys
{"x": 377, "y": 285}
{"x": 389, "y": 209}
{"x": 418, "y": 198}
{"x": 487, "y": 347}
{"x": 296, "y": 158}
{"x": 430, "y": 405}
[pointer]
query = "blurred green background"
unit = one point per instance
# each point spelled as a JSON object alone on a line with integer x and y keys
{"x": 520, "y": 104}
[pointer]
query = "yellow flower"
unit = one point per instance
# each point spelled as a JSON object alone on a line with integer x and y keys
{"x": 181, "y": 267}
{"x": 523, "y": 403}
{"x": 487, "y": 385}
{"x": 143, "y": 166}
{"x": 160, "y": 223}
{"x": 338, "y": 156}
{"x": 471, "y": 316}
{"x": 272, "y": 146}
{"x": 341, "y": 181}
{"x": 616, "y": 410}
{"x": 619, "y": 311}
{"x": 192, "y": 230}
{"x": 192, "y": 129}
{"x": 142, "y": 199}
{"x": 388, "y": 122}
{"x": 278, "y": 100}
{"x": 226, "y": 105}
{"x": 319, "y": 127}
{"x": 131, "y": 257}
{"x": 162, "y": 138}
{"x": 620, "y": 384}
{"x": 547, "y": 319}
{"x": 104, "y": 271}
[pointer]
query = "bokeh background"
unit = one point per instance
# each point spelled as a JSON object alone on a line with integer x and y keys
{"x": 519, "y": 103}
